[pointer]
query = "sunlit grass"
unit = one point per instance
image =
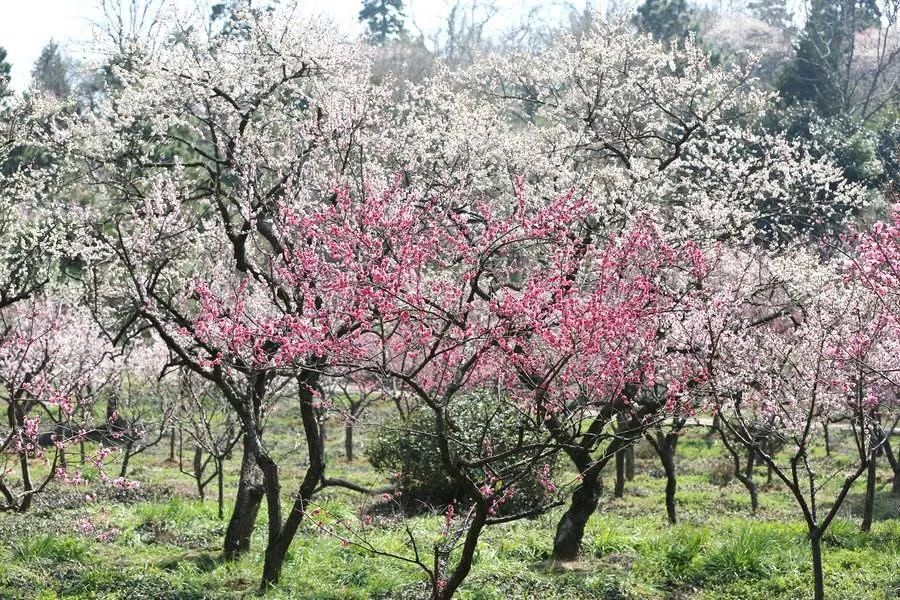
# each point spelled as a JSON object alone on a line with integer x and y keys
{"x": 168, "y": 543}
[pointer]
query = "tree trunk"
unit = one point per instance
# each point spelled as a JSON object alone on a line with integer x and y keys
{"x": 172, "y": 444}
{"x": 348, "y": 442}
{"x": 198, "y": 472}
{"x": 570, "y": 529}
{"x": 220, "y": 485}
{"x": 827, "y": 439}
{"x": 665, "y": 445}
{"x": 895, "y": 464}
{"x": 629, "y": 463}
{"x": 180, "y": 447}
{"x": 16, "y": 418}
{"x": 667, "y": 456}
{"x": 246, "y": 506}
{"x": 27, "y": 484}
{"x": 466, "y": 558}
{"x": 869, "y": 503}
{"x": 815, "y": 544}
{"x": 619, "y": 490}
{"x": 126, "y": 456}
{"x": 619, "y": 487}
{"x": 711, "y": 432}
{"x": 323, "y": 432}
{"x": 745, "y": 476}
{"x": 281, "y": 535}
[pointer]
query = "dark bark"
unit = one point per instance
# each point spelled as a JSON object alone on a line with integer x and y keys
{"x": 665, "y": 445}
{"x": 570, "y": 529}
{"x": 27, "y": 485}
{"x": 629, "y": 463}
{"x": 711, "y": 432}
{"x": 466, "y": 557}
{"x": 220, "y": 479}
{"x": 281, "y": 534}
{"x": 619, "y": 489}
{"x": 246, "y": 506}
{"x": 446, "y": 589}
{"x": 668, "y": 461}
{"x": 199, "y": 468}
{"x": 745, "y": 476}
{"x": 16, "y": 418}
{"x": 126, "y": 456}
{"x": 348, "y": 442}
{"x": 869, "y": 502}
{"x": 895, "y": 465}
{"x": 815, "y": 544}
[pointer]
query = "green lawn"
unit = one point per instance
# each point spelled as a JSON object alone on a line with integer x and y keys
{"x": 161, "y": 542}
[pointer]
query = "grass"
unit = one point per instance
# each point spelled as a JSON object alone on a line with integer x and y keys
{"x": 167, "y": 544}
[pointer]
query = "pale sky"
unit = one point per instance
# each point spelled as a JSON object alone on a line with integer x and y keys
{"x": 27, "y": 25}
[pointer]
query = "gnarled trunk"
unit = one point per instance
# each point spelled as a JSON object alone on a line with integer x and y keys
{"x": 281, "y": 534}
{"x": 665, "y": 445}
{"x": 570, "y": 529}
{"x": 246, "y": 505}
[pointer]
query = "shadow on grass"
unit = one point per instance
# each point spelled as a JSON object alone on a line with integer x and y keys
{"x": 204, "y": 562}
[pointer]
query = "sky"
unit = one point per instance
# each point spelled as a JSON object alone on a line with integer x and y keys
{"x": 27, "y": 25}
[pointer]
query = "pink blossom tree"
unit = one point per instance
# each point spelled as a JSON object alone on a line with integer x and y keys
{"x": 204, "y": 138}
{"x": 598, "y": 358}
{"x": 49, "y": 376}
{"x": 873, "y": 263}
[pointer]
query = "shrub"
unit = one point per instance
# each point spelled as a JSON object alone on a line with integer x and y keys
{"x": 721, "y": 472}
{"x": 408, "y": 452}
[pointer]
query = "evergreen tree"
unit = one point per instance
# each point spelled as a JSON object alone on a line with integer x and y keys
{"x": 225, "y": 15}
{"x": 384, "y": 19}
{"x": 4, "y": 74}
{"x": 817, "y": 74}
{"x": 665, "y": 20}
{"x": 772, "y": 12}
{"x": 50, "y": 73}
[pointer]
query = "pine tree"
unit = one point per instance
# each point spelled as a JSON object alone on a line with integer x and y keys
{"x": 226, "y": 15}
{"x": 772, "y": 12}
{"x": 50, "y": 73}
{"x": 5, "y": 68}
{"x": 665, "y": 20}
{"x": 817, "y": 74}
{"x": 384, "y": 19}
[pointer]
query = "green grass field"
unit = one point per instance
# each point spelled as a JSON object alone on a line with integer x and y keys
{"x": 162, "y": 542}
